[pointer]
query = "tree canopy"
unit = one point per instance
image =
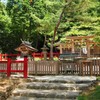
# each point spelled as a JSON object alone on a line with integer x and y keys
{"x": 33, "y": 20}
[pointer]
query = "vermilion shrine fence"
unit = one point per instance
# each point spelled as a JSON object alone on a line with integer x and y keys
{"x": 13, "y": 66}
{"x": 83, "y": 67}
{"x": 35, "y": 55}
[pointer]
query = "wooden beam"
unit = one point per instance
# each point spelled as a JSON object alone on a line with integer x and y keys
{"x": 88, "y": 49}
{"x": 73, "y": 46}
{"x": 60, "y": 49}
{"x": 79, "y": 37}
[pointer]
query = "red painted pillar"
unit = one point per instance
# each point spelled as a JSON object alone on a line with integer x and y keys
{"x": 25, "y": 67}
{"x": 9, "y": 67}
{"x": 0, "y": 57}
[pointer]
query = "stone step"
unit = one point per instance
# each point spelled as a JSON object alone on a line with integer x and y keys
{"x": 63, "y": 79}
{"x": 63, "y": 94}
{"x": 60, "y": 86}
{"x": 33, "y": 98}
{"x": 58, "y": 78}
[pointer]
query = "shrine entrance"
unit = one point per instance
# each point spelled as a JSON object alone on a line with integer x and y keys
{"x": 82, "y": 45}
{"x": 79, "y": 51}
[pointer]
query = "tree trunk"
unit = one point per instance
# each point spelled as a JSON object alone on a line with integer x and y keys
{"x": 55, "y": 31}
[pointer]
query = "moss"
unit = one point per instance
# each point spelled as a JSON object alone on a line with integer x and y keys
{"x": 98, "y": 78}
{"x": 94, "y": 95}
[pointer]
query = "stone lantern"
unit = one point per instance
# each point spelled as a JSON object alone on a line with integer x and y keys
{"x": 44, "y": 50}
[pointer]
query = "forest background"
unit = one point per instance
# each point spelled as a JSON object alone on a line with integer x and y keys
{"x": 36, "y": 20}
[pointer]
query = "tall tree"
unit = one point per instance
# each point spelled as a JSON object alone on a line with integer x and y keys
{"x": 33, "y": 21}
{"x": 81, "y": 18}
{"x": 5, "y": 23}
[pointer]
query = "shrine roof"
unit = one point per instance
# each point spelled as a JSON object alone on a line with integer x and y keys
{"x": 27, "y": 45}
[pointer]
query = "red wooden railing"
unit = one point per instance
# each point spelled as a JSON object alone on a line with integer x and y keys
{"x": 41, "y": 55}
{"x": 9, "y": 68}
{"x": 3, "y": 57}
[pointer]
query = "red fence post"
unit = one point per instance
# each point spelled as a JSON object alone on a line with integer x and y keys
{"x": 25, "y": 67}
{"x": 0, "y": 57}
{"x": 9, "y": 67}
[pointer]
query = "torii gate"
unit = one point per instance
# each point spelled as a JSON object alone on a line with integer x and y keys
{"x": 81, "y": 39}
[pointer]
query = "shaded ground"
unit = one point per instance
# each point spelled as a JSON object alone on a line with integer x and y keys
{"x": 6, "y": 86}
{"x": 93, "y": 94}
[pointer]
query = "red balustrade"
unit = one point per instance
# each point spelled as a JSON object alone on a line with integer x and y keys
{"x": 4, "y": 57}
{"x": 40, "y": 55}
{"x": 7, "y": 66}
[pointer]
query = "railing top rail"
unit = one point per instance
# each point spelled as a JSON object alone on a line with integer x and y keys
{"x": 3, "y": 61}
{"x": 17, "y": 61}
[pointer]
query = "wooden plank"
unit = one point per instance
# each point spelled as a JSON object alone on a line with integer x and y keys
{"x": 79, "y": 37}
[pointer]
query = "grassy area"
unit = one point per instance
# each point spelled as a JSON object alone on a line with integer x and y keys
{"x": 98, "y": 78}
{"x": 93, "y": 95}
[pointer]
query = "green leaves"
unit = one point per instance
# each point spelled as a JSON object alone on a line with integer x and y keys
{"x": 21, "y": 20}
{"x": 82, "y": 17}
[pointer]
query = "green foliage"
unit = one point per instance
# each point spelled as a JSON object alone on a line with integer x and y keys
{"x": 5, "y": 23}
{"x": 94, "y": 95}
{"x": 20, "y": 19}
{"x": 82, "y": 17}
{"x": 32, "y": 22}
